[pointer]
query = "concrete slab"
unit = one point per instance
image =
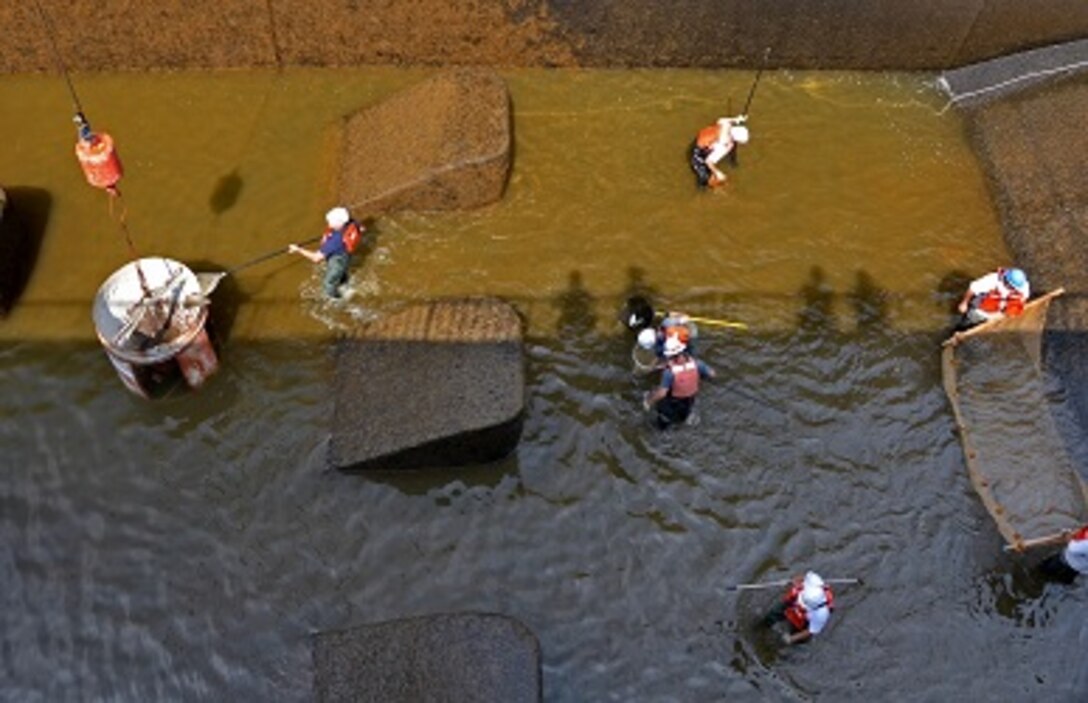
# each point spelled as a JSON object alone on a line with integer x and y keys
{"x": 1034, "y": 148}
{"x": 460, "y": 658}
{"x": 443, "y": 144}
{"x": 989, "y": 80}
{"x": 438, "y": 384}
{"x": 848, "y": 34}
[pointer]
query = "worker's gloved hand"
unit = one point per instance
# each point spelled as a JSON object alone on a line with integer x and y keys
{"x": 786, "y": 639}
{"x": 292, "y": 248}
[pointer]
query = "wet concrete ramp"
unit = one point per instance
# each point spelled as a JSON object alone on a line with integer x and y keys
{"x": 1007, "y": 75}
{"x": 441, "y": 145}
{"x": 1017, "y": 459}
{"x": 437, "y": 384}
{"x": 462, "y": 658}
{"x": 1034, "y": 148}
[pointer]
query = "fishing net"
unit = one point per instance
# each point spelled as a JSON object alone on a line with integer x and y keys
{"x": 1016, "y": 458}
{"x": 980, "y": 82}
{"x": 644, "y": 361}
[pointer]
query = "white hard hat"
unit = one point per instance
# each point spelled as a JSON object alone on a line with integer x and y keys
{"x": 812, "y": 595}
{"x": 739, "y": 133}
{"x": 337, "y": 217}
{"x": 673, "y": 346}
{"x": 647, "y": 338}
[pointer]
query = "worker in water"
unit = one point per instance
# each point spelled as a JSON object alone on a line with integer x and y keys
{"x": 995, "y": 295}
{"x": 806, "y": 606}
{"x": 1065, "y": 565}
{"x": 713, "y": 144}
{"x": 680, "y": 376}
{"x": 638, "y": 313}
{"x": 338, "y": 243}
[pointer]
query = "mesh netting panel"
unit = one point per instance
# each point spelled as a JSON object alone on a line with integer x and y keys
{"x": 1015, "y": 454}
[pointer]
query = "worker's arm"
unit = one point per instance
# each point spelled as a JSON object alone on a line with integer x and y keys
{"x": 965, "y": 300}
{"x": 652, "y": 397}
{"x": 796, "y": 637}
{"x": 315, "y": 256}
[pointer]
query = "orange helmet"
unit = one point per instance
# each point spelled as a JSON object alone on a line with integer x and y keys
{"x": 680, "y": 332}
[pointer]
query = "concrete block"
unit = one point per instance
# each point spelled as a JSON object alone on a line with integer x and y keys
{"x": 460, "y": 658}
{"x": 443, "y": 144}
{"x": 437, "y": 384}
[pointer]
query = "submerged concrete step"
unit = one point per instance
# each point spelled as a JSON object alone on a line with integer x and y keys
{"x": 437, "y": 384}
{"x": 463, "y": 657}
{"x": 443, "y": 144}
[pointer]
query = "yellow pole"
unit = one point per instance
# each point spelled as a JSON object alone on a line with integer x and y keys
{"x": 718, "y": 323}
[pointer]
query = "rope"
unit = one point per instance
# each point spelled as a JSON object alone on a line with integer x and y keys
{"x": 50, "y": 34}
{"x": 266, "y": 257}
{"x": 84, "y": 128}
{"x": 755, "y": 83}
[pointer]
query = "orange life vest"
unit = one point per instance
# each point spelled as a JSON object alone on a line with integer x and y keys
{"x": 1008, "y": 301}
{"x": 351, "y": 234}
{"x": 1002, "y": 299}
{"x": 796, "y": 613}
{"x": 708, "y": 135}
{"x": 685, "y": 378}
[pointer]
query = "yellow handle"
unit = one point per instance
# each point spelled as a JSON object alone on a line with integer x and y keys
{"x": 718, "y": 323}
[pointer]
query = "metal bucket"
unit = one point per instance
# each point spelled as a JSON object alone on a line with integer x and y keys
{"x": 150, "y": 317}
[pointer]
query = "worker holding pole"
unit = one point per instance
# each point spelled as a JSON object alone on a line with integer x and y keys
{"x": 1066, "y": 565}
{"x": 806, "y": 606}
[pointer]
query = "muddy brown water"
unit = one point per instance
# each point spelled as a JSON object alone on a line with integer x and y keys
{"x": 187, "y": 549}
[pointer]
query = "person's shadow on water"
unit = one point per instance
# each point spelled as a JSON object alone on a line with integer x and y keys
{"x": 576, "y": 316}
{"x": 870, "y": 303}
{"x": 817, "y": 312}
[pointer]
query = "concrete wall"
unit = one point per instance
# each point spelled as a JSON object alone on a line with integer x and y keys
{"x": 105, "y": 35}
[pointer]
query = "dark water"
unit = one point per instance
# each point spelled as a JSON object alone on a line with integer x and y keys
{"x": 182, "y": 550}
{"x": 187, "y": 549}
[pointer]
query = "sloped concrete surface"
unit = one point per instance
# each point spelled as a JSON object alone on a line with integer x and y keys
{"x": 851, "y": 34}
{"x": 443, "y": 144}
{"x": 459, "y": 658}
{"x": 438, "y": 384}
{"x": 1034, "y": 147}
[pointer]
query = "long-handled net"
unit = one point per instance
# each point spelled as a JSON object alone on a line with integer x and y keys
{"x": 1016, "y": 457}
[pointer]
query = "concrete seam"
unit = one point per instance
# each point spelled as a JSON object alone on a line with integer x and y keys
{"x": 274, "y": 35}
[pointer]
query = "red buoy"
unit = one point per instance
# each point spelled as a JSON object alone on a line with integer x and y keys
{"x": 99, "y": 160}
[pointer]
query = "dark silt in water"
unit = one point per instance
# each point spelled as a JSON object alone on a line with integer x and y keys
{"x": 188, "y": 548}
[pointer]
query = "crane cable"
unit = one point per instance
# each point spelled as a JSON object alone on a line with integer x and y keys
{"x": 85, "y": 133}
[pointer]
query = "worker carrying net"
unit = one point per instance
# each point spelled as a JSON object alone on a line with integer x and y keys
{"x": 1016, "y": 458}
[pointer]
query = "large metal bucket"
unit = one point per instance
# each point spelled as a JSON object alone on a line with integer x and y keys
{"x": 150, "y": 317}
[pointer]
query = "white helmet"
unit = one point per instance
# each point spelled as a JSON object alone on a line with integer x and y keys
{"x": 812, "y": 595}
{"x": 337, "y": 217}
{"x": 674, "y": 346}
{"x": 739, "y": 133}
{"x": 647, "y": 338}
